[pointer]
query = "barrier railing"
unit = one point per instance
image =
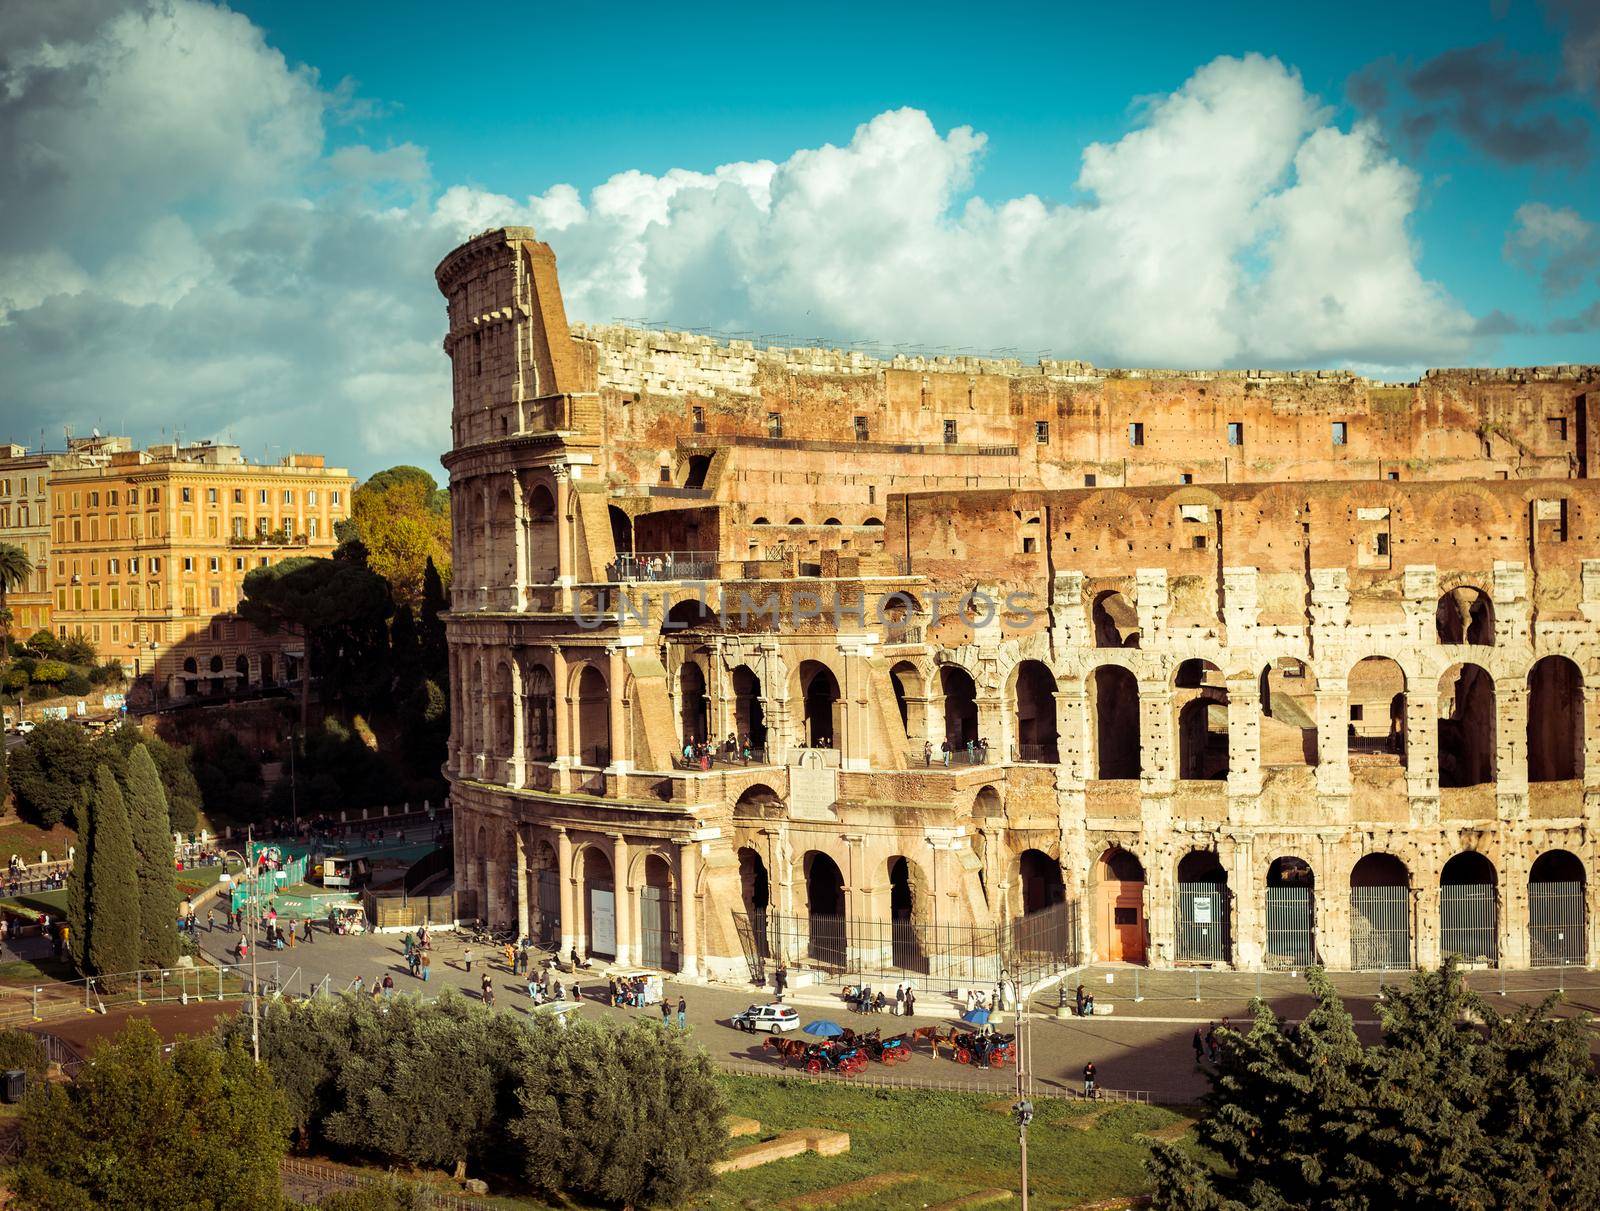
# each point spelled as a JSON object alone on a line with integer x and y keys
{"x": 97, "y": 994}
{"x": 994, "y": 1089}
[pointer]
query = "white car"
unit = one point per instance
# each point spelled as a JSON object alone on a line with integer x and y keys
{"x": 23, "y": 728}
{"x": 774, "y": 1019}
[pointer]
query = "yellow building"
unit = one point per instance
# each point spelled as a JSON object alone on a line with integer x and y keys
{"x": 149, "y": 550}
{"x": 25, "y": 523}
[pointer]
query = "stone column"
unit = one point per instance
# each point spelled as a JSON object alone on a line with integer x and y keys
{"x": 1244, "y": 736}
{"x": 624, "y": 897}
{"x": 688, "y": 921}
{"x": 569, "y": 892}
{"x": 1422, "y": 745}
{"x": 1333, "y": 735}
{"x": 1425, "y": 923}
{"x": 561, "y": 763}
{"x": 522, "y": 883}
{"x": 1157, "y": 753}
{"x": 516, "y": 759}
{"x": 1249, "y": 918}
{"x": 1072, "y": 731}
{"x": 1591, "y": 737}
{"x": 617, "y": 676}
{"x": 489, "y": 902}
{"x": 457, "y": 702}
{"x": 1511, "y": 737}
{"x": 992, "y": 725}
{"x": 519, "y": 568}
{"x": 486, "y": 736}
{"x": 485, "y": 559}
{"x": 1512, "y": 893}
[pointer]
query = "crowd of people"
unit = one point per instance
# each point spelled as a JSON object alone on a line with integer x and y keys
{"x": 702, "y": 754}
{"x": 977, "y": 752}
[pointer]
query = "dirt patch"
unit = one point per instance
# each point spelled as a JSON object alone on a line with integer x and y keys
{"x": 817, "y": 1200}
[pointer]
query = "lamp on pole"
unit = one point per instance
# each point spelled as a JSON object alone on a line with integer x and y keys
{"x": 252, "y": 916}
{"x": 1023, "y": 1110}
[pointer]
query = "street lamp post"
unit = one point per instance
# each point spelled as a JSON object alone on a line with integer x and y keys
{"x": 252, "y": 916}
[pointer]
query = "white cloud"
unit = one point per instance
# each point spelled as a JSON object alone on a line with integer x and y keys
{"x": 1556, "y": 243}
{"x": 183, "y": 247}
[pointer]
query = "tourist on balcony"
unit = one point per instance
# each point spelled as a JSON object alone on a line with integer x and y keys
{"x": 927, "y": 753}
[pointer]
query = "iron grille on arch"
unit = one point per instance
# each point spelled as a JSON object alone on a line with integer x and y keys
{"x": 1027, "y": 948}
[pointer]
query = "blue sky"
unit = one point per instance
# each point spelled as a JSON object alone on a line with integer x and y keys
{"x": 248, "y": 201}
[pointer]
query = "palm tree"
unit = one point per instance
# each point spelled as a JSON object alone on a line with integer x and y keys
{"x": 15, "y": 568}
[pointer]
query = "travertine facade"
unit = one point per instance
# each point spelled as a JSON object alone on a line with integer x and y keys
{"x": 1269, "y": 666}
{"x": 149, "y": 550}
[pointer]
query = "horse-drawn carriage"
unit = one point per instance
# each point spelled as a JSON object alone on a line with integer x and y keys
{"x": 987, "y": 1050}
{"x": 847, "y": 1054}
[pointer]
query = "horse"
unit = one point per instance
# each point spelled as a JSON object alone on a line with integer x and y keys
{"x": 930, "y": 1033}
{"x": 787, "y": 1049}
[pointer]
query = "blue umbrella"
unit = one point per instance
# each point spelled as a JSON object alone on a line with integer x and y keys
{"x": 824, "y": 1029}
{"x": 976, "y": 1017}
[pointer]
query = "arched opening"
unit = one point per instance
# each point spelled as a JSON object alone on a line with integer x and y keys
{"x": 1203, "y": 924}
{"x": 832, "y": 521}
{"x": 621, "y": 530}
{"x": 1558, "y": 933}
{"x": 191, "y": 665}
{"x": 960, "y": 706}
{"x": 479, "y": 865}
{"x": 1041, "y": 880}
{"x": 500, "y": 711}
{"x": 599, "y": 904}
{"x": 1555, "y": 721}
{"x": 1288, "y": 714}
{"x": 542, "y": 544}
{"x": 1465, "y": 615}
{"x": 1377, "y": 692}
{"x": 1380, "y": 914}
{"x": 1466, "y": 726}
{"x": 545, "y": 921}
{"x": 825, "y": 909}
{"x": 873, "y": 521}
{"x": 749, "y": 717}
{"x": 215, "y": 664}
{"x": 1114, "y": 621}
{"x": 761, "y": 521}
{"x": 691, "y": 614}
{"x": 540, "y": 703}
{"x": 1119, "y": 916}
{"x": 503, "y": 571}
{"x": 658, "y": 916}
{"x": 267, "y": 677}
{"x": 819, "y": 689}
{"x": 1200, "y": 697}
{"x": 907, "y": 910}
{"x": 594, "y": 718}
{"x": 241, "y": 667}
{"x": 908, "y": 699}
{"x": 1469, "y": 919}
{"x": 693, "y": 706}
{"x": 1291, "y": 902}
{"x": 897, "y": 614}
{"x": 1036, "y": 713}
{"x": 695, "y": 475}
{"x": 797, "y": 521}
{"x": 1114, "y": 708}
{"x": 756, "y": 896}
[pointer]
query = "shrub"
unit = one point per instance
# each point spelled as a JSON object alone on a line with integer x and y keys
{"x": 19, "y": 1049}
{"x": 76, "y": 684}
{"x": 50, "y": 672}
{"x": 51, "y": 771}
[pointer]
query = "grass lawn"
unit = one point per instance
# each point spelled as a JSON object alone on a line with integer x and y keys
{"x": 953, "y": 1144}
{"x": 29, "y": 972}
{"x": 27, "y": 841}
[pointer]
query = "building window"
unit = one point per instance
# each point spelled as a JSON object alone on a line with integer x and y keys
{"x": 188, "y": 495}
{"x": 311, "y": 527}
{"x": 133, "y": 496}
{"x": 263, "y": 526}
{"x": 774, "y": 424}
{"x": 1089, "y": 481}
{"x": 1341, "y": 432}
{"x": 863, "y": 432}
{"x": 116, "y": 599}
{"x": 949, "y": 433}
{"x": 238, "y": 563}
{"x": 1136, "y": 433}
{"x": 155, "y": 565}
{"x": 238, "y": 496}
{"x": 1041, "y": 432}
{"x": 699, "y": 419}
{"x": 216, "y": 564}
{"x": 216, "y": 598}
{"x": 1236, "y": 433}
{"x": 288, "y": 497}
{"x": 188, "y": 563}
{"x": 1030, "y": 546}
{"x": 666, "y": 474}
{"x": 94, "y": 500}
{"x": 333, "y": 496}
{"x": 311, "y": 496}
{"x": 1392, "y": 475}
{"x": 1383, "y": 543}
{"x": 262, "y": 499}
{"x": 1557, "y": 425}
{"x": 238, "y": 527}
{"x": 155, "y": 496}
{"x": 211, "y": 496}
{"x": 133, "y": 566}
{"x": 1186, "y": 478}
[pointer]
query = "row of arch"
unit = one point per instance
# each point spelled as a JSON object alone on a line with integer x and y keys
{"x": 1463, "y": 615}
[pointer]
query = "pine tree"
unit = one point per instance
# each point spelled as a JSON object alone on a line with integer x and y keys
{"x": 113, "y": 881}
{"x": 152, "y": 842}
{"x": 430, "y": 631}
{"x": 78, "y": 884}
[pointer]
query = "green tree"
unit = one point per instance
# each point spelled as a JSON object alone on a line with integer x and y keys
{"x": 15, "y": 568}
{"x": 25, "y": 1050}
{"x": 152, "y": 844}
{"x": 113, "y": 880}
{"x": 628, "y": 1116}
{"x": 430, "y": 629}
{"x": 79, "y": 879}
{"x": 51, "y": 672}
{"x": 77, "y": 649}
{"x": 43, "y": 643}
{"x": 51, "y": 772}
{"x": 402, "y": 519}
{"x": 139, "y": 1131}
{"x": 338, "y": 606}
{"x": 175, "y": 764}
{"x": 1442, "y": 1113}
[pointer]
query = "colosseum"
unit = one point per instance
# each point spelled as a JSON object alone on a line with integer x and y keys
{"x": 932, "y": 665}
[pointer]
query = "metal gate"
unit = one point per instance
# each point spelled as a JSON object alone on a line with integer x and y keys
{"x": 1380, "y": 928}
{"x": 1556, "y": 919}
{"x": 658, "y": 928}
{"x": 1468, "y": 922}
{"x": 826, "y": 945}
{"x": 546, "y": 923}
{"x": 1203, "y": 922}
{"x": 1289, "y": 930}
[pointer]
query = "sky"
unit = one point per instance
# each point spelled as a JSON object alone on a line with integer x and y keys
{"x": 222, "y": 222}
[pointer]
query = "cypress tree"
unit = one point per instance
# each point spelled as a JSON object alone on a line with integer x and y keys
{"x": 152, "y": 842}
{"x": 78, "y": 883}
{"x": 113, "y": 881}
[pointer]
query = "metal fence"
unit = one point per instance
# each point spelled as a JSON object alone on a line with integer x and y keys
{"x": 1291, "y": 935}
{"x": 97, "y": 994}
{"x": 1027, "y": 949}
{"x": 1469, "y": 922}
{"x": 1556, "y": 931}
{"x": 306, "y": 1181}
{"x": 1202, "y": 923}
{"x": 875, "y": 1080}
{"x": 1380, "y": 928}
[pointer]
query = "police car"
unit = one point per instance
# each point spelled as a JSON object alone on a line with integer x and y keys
{"x": 771, "y": 1018}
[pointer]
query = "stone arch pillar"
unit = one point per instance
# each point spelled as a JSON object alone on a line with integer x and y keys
{"x": 1333, "y": 738}
{"x": 1158, "y": 767}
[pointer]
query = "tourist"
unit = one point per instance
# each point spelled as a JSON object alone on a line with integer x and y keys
{"x": 1089, "y": 1080}
{"x": 927, "y": 753}
{"x": 1199, "y": 1047}
{"x": 388, "y": 985}
{"x": 666, "y": 1014}
{"x": 488, "y": 990}
{"x": 1211, "y": 1042}
{"x": 377, "y": 991}
{"x": 899, "y": 1000}
{"x": 1079, "y": 1001}
{"x": 911, "y": 1000}
{"x": 510, "y": 953}
{"x": 467, "y": 958}
{"x": 683, "y": 1013}
{"x": 780, "y": 980}
{"x": 427, "y": 960}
